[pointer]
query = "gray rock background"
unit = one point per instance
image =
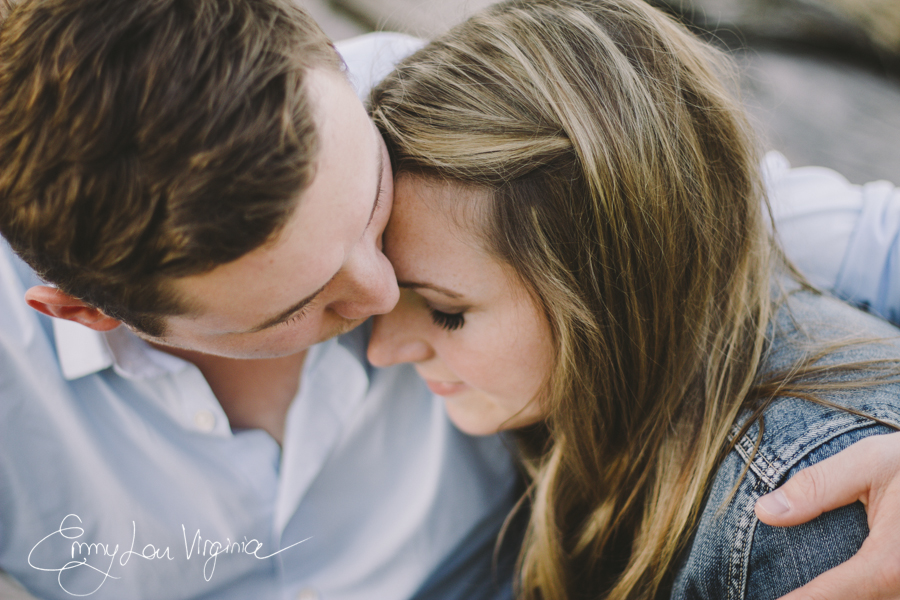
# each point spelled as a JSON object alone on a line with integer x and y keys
{"x": 820, "y": 78}
{"x": 337, "y": 23}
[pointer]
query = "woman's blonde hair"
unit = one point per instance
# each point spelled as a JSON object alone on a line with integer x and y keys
{"x": 625, "y": 193}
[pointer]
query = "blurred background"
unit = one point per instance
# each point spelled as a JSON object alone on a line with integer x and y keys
{"x": 821, "y": 78}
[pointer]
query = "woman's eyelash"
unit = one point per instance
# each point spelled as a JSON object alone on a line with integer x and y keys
{"x": 449, "y": 321}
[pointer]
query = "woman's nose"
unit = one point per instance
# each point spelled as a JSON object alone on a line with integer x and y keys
{"x": 394, "y": 340}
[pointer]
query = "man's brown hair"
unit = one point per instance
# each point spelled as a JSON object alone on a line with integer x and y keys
{"x": 144, "y": 140}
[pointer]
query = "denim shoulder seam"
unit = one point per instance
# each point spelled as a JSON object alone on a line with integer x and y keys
{"x": 772, "y": 461}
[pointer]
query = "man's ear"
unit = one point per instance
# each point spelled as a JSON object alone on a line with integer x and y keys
{"x": 55, "y": 303}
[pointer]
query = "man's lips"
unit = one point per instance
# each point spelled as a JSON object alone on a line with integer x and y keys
{"x": 443, "y": 388}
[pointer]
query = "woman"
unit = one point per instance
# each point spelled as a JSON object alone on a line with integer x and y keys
{"x": 581, "y": 234}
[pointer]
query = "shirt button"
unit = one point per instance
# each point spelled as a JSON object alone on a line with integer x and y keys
{"x": 204, "y": 420}
{"x": 307, "y": 594}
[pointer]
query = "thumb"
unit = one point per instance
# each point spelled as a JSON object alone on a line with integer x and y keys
{"x": 832, "y": 483}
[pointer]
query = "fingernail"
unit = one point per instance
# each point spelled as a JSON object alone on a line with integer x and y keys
{"x": 774, "y": 503}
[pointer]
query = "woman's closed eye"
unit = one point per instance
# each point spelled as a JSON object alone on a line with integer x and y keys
{"x": 448, "y": 321}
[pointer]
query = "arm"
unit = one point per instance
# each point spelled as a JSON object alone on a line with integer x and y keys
{"x": 735, "y": 557}
{"x": 784, "y": 560}
{"x": 845, "y": 238}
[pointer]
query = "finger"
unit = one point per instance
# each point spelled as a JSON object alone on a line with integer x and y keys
{"x": 836, "y": 481}
{"x": 861, "y": 578}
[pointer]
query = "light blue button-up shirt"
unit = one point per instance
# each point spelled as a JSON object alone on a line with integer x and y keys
{"x": 844, "y": 237}
{"x": 120, "y": 477}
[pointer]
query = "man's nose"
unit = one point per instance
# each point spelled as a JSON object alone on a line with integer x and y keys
{"x": 368, "y": 287}
{"x": 394, "y": 339}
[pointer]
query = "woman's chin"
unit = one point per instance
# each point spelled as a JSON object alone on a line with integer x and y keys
{"x": 471, "y": 422}
{"x": 479, "y": 421}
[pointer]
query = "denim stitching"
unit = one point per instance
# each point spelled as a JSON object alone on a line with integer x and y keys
{"x": 740, "y": 550}
{"x": 762, "y": 483}
{"x": 771, "y": 468}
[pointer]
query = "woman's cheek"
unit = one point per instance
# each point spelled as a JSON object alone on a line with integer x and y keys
{"x": 480, "y": 360}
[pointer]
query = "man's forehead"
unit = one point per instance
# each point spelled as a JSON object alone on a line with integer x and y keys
{"x": 330, "y": 216}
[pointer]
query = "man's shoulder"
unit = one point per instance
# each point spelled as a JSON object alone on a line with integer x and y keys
{"x": 369, "y": 58}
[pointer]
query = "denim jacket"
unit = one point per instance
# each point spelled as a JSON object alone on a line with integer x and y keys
{"x": 733, "y": 556}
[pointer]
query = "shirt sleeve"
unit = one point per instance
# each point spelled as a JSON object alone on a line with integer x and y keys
{"x": 844, "y": 237}
{"x": 815, "y": 211}
{"x": 870, "y": 272}
{"x": 369, "y": 58}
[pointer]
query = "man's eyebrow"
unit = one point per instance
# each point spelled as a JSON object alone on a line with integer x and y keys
{"x": 286, "y": 314}
{"x": 413, "y": 285}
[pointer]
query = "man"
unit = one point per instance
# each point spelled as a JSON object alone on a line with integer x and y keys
{"x": 203, "y": 196}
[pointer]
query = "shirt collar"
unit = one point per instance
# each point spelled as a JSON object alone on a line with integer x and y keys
{"x": 82, "y": 351}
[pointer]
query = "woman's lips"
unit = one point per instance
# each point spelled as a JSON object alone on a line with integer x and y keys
{"x": 442, "y": 388}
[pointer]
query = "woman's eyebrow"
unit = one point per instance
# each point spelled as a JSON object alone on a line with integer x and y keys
{"x": 429, "y": 286}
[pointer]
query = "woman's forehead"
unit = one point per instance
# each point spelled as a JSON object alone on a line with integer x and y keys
{"x": 428, "y": 241}
{"x": 462, "y": 207}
